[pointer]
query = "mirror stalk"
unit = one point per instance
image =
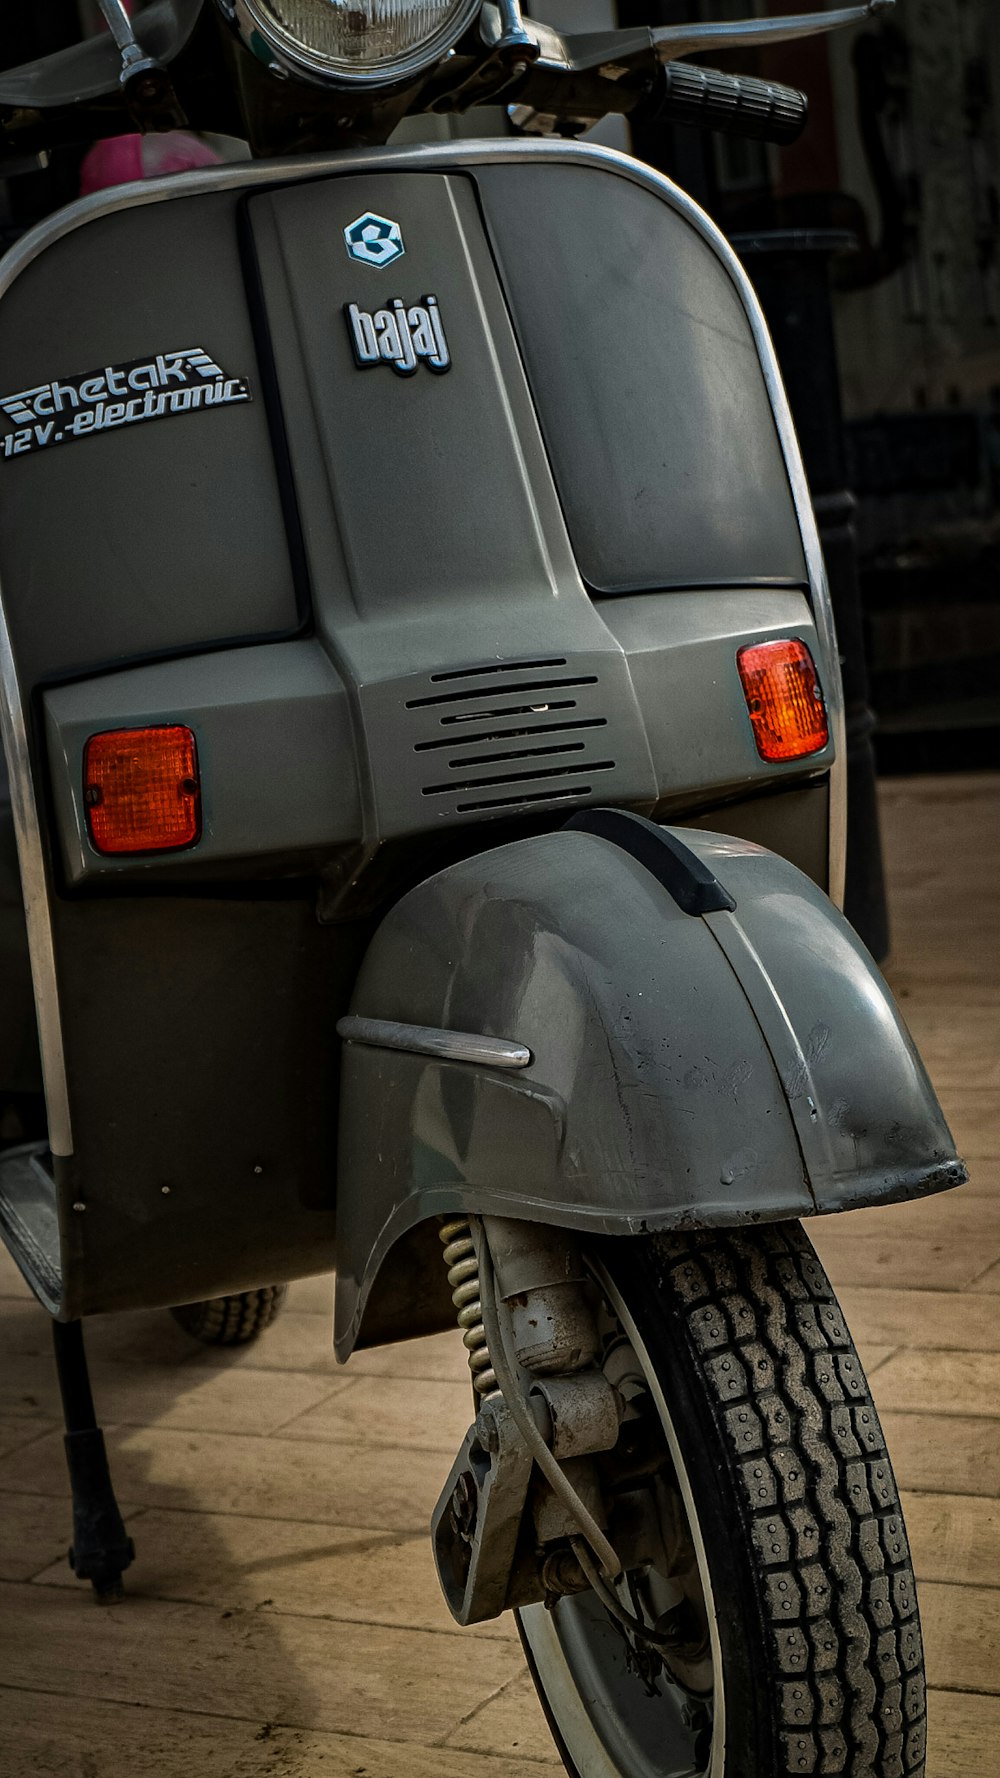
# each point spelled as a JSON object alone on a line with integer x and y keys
{"x": 674, "y": 41}
{"x": 145, "y": 82}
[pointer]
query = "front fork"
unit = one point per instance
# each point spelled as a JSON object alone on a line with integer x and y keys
{"x": 525, "y": 1514}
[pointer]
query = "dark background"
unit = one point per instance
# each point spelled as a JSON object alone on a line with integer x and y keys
{"x": 901, "y": 159}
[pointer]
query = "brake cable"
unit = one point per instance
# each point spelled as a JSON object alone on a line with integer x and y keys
{"x": 604, "y": 1578}
{"x": 506, "y": 1378}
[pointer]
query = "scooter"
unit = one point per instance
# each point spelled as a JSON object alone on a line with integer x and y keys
{"x": 424, "y": 723}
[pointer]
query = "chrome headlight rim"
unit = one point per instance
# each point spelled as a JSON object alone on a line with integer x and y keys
{"x": 296, "y": 60}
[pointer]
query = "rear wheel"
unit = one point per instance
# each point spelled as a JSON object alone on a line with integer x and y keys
{"x": 231, "y": 1320}
{"x": 786, "y": 1562}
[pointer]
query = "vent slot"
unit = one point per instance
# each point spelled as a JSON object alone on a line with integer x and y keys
{"x": 492, "y": 759}
{"x": 490, "y": 691}
{"x": 496, "y": 667}
{"x": 510, "y": 710}
{"x": 510, "y": 734}
{"x": 603, "y": 765}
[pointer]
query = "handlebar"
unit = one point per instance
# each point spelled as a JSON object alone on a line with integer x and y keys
{"x": 733, "y": 103}
{"x": 557, "y": 83}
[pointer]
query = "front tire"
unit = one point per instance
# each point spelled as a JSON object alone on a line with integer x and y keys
{"x": 803, "y": 1570}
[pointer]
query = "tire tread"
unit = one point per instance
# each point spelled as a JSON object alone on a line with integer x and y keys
{"x": 816, "y": 1490}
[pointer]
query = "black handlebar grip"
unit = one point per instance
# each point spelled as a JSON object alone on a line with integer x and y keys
{"x": 733, "y": 103}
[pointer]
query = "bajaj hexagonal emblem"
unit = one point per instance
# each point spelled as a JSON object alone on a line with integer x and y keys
{"x": 375, "y": 240}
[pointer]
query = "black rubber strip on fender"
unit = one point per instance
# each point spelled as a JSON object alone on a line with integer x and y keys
{"x": 681, "y": 872}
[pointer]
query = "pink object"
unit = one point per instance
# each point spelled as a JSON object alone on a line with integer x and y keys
{"x": 118, "y": 160}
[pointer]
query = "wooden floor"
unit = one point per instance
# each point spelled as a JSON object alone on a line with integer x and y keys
{"x": 283, "y": 1620}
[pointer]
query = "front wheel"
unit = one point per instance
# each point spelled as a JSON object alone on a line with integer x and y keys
{"x": 802, "y": 1651}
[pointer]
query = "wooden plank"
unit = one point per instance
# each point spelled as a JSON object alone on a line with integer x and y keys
{"x": 963, "y": 1734}
{"x": 511, "y": 1719}
{"x": 935, "y": 1012}
{"x": 949, "y": 1028}
{"x": 299, "y": 1672}
{"x": 945, "y": 791}
{"x": 988, "y": 1283}
{"x": 940, "y": 1005}
{"x": 954, "y": 1538}
{"x": 973, "y": 1119}
{"x": 900, "y": 1265}
{"x": 956, "y": 1456}
{"x": 440, "y": 1358}
{"x": 945, "y": 1219}
{"x": 298, "y": 1340}
{"x": 943, "y": 1383}
{"x": 411, "y": 1414}
{"x": 146, "y": 1336}
{"x": 945, "y": 1320}
{"x": 28, "y": 1386}
{"x": 17, "y": 1430}
{"x": 276, "y": 1478}
{"x": 178, "y": 1396}
{"x": 873, "y": 1357}
{"x": 961, "y": 1628}
{"x": 35, "y": 1533}
{"x": 218, "y": 1559}
{"x": 939, "y": 958}
{"x": 312, "y": 1296}
{"x": 45, "y": 1736}
{"x": 11, "y": 1282}
{"x": 960, "y": 1055}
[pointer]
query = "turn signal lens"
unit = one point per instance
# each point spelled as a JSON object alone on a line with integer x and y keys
{"x": 141, "y": 789}
{"x": 784, "y": 698}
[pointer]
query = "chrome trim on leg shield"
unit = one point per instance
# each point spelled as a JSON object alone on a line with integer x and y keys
{"x": 34, "y": 887}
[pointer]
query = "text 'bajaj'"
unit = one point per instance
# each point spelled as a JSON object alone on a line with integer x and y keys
{"x": 401, "y": 588}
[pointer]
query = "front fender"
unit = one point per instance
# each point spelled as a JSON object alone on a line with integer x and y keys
{"x": 743, "y": 1064}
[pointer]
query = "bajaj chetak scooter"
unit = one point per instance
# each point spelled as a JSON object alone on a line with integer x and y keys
{"x": 425, "y": 732}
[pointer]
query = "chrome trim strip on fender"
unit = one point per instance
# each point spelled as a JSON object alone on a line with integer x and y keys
{"x": 431, "y": 157}
{"x": 427, "y": 1040}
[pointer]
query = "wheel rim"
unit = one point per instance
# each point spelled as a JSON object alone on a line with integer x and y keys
{"x": 609, "y": 1726}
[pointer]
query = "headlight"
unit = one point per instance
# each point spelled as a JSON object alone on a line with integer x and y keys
{"x": 369, "y": 41}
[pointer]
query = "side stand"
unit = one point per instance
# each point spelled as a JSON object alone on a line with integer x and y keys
{"x": 102, "y": 1549}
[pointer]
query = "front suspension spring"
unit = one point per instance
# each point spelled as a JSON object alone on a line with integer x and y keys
{"x": 463, "y": 1276}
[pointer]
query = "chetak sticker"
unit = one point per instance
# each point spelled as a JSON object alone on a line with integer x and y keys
{"x": 118, "y": 395}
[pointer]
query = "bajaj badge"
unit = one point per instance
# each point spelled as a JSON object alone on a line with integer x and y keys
{"x": 403, "y": 335}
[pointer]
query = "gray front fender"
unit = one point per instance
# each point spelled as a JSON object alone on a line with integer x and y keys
{"x": 686, "y": 1069}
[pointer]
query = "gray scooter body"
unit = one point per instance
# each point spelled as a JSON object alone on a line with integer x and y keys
{"x": 411, "y": 619}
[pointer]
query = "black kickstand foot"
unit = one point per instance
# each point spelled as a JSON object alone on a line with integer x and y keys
{"x": 102, "y": 1549}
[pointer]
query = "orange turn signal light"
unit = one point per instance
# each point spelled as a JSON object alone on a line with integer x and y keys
{"x": 141, "y": 789}
{"x": 784, "y": 698}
